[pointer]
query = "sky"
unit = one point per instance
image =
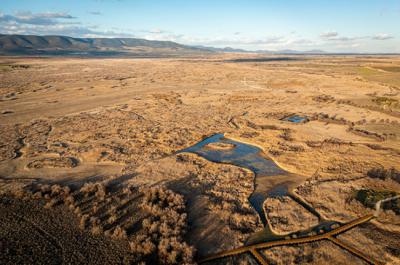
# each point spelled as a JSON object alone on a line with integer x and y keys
{"x": 330, "y": 25}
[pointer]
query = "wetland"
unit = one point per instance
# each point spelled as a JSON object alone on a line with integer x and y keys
{"x": 170, "y": 160}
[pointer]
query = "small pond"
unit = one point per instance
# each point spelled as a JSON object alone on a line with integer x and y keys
{"x": 217, "y": 148}
{"x": 296, "y": 119}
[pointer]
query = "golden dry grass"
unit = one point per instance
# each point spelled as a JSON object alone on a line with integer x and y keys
{"x": 117, "y": 123}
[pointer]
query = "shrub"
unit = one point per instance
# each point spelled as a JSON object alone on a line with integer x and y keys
{"x": 84, "y": 221}
{"x": 20, "y": 193}
{"x": 119, "y": 233}
{"x": 369, "y": 198}
{"x": 173, "y": 251}
{"x": 162, "y": 232}
{"x": 70, "y": 200}
{"x": 56, "y": 190}
{"x": 45, "y": 188}
{"x": 66, "y": 190}
{"x": 142, "y": 248}
{"x": 77, "y": 210}
{"x": 95, "y": 208}
{"x": 37, "y": 195}
{"x": 127, "y": 190}
{"x": 112, "y": 219}
{"x": 52, "y": 203}
{"x": 89, "y": 189}
{"x": 101, "y": 192}
{"x": 97, "y": 230}
{"x": 286, "y": 135}
{"x": 382, "y": 173}
{"x": 94, "y": 220}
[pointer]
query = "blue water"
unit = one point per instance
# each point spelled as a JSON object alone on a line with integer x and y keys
{"x": 296, "y": 119}
{"x": 247, "y": 156}
{"x": 242, "y": 155}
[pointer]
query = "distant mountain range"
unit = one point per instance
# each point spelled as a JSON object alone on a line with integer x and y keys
{"x": 62, "y": 45}
{"x": 32, "y": 45}
{"x": 229, "y": 49}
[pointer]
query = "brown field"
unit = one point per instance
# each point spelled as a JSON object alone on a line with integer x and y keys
{"x": 89, "y": 170}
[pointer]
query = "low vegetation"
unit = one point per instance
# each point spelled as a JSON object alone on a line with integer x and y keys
{"x": 77, "y": 121}
{"x": 369, "y": 197}
{"x": 161, "y": 237}
{"x": 33, "y": 234}
{"x": 387, "y": 102}
{"x": 384, "y": 174}
{"x": 8, "y": 67}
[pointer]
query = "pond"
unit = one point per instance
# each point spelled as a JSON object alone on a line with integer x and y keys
{"x": 220, "y": 149}
{"x": 295, "y": 119}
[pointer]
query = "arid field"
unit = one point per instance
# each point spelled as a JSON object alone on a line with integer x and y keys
{"x": 91, "y": 173}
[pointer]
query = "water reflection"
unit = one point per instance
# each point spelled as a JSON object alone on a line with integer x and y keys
{"x": 250, "y": 157}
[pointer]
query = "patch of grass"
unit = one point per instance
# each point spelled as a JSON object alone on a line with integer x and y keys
{"x": 5, "y": 67}
{"x": 389, "y": 68}
{"x": 365, "y": 71}
{"x": 391, "y": 78}
{"x": 369, "y": 198}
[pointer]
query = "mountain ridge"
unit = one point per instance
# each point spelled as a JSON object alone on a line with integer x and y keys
{"x": 63, "y": 45}
{"x": 58, "y": 45}
{"x": 287, "y": 51}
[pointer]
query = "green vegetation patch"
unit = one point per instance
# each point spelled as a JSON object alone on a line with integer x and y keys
{"x": 391, "y": 78}
{"x": 369, "y": 198}
{"x": 365, "y": 71}
{"x": 5, "y": 67}
{"x": 389, "y": 68}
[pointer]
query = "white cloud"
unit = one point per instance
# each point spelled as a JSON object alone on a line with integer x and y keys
{"x": 335, "y": 37}
{"x": 49, "y": 18}
{"x": 235, "y": 40}
{"x": 329, "y": 34}
{"x": 382, "y": 36}
{"x": 52, "y": 23}
{"x": 60, "y": 23}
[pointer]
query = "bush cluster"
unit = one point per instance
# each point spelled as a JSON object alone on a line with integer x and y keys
{"x": 369, "y": 198}
{"x": 54, "y": 194}
{"x": 97, "y": 189}
{"x": 384, "y": 174}
{"x": 161, "y": 236}
{"x": 160, "y": 239}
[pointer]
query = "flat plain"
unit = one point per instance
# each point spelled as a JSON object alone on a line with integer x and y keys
{"x": 96, "y": 141}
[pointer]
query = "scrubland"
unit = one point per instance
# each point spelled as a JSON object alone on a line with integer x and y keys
{"x": 89, "y": 169}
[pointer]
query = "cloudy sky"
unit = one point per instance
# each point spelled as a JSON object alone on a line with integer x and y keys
{"x": 330, "y": 25}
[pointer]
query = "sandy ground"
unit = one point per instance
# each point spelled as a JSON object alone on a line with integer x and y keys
{"x": 70, "y": 121}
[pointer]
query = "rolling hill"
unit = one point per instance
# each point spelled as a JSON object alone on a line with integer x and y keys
{"x": 63, "y": 45}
